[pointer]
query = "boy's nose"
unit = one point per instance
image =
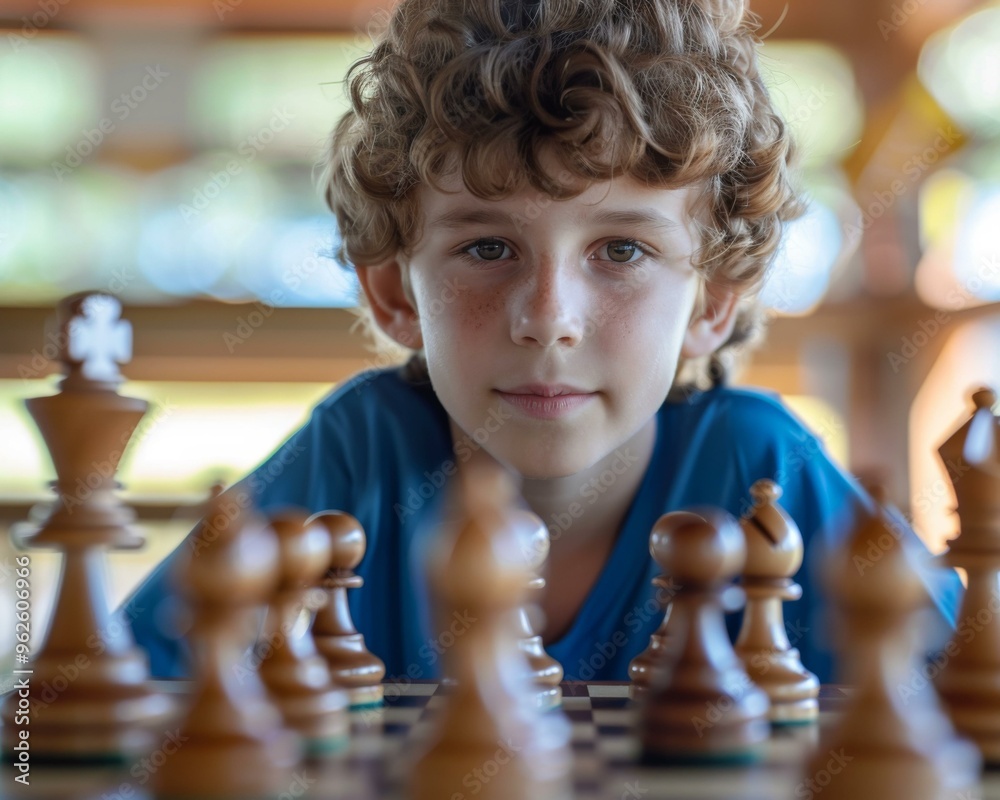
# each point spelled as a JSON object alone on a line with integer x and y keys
{"x": 549, "y": 307}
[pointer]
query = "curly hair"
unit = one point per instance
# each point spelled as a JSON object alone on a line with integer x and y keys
{"x": 665, "y": 91}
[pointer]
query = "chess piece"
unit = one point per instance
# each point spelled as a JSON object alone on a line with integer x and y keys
{"x": 968, "y": 681}
{"x": 295, "y": 673}
{"x": 102, "y": 701}
{"x": 774, "y": 555}
{"x": 703, "y": 708}
{"x": 235, "y": 744}
{"x": 490, "y": 738}
{"x": 887, "y": 743}
{"x": 545, "y": 672}
{"x": 643, "y": 669}
{"x": 351, "y": 664}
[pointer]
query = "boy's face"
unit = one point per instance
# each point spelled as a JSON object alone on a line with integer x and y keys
{"x": 529, "y": 290}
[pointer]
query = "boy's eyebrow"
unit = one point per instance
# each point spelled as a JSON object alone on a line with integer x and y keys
{"x": 459, "y": 217}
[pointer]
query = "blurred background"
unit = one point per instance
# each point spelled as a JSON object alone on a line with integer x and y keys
{"x": 166, "y": 151}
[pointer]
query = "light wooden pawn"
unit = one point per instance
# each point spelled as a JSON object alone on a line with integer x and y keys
{"x": 545, "y": 672}
{"x": 774, "y": 555}
{"x": 703, "y": 708}
{"x": 644, "y": 668}
{"x": 969, "y": 682}
{"x": 351, "y": 663}
{"x": 885, "y": 743}
{"x": 235, "y": 744}
{"x": 104, "y": 708}
{"x": 296, "y": 675}
{"x": 489, "y": 733}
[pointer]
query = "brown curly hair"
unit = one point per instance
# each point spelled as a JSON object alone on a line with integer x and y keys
{"x": 665, "y": 91}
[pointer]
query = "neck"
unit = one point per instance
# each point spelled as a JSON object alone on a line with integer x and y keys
{"x": 592, "y": 504}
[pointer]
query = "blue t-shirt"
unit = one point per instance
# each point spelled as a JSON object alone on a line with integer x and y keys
{"x": 380, "y": 448}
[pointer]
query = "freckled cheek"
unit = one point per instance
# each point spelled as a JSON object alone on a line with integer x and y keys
{"x": 644, "y": 326}
{"x": 624, "y": 320}
{"x": 471, "y": 313}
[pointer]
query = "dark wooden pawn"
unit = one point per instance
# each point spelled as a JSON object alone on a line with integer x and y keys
{"x": 235, "y": 744}
{"x": 297, "y": 676}
{"x": 351, "y": 664}
{"x": 703, "y": 708}
{"x": 642, "y": 669}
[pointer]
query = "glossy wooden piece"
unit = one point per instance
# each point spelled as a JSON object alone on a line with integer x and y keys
{"x": 102, "y": 702}
{"x": 704, "y": 707}
{"x": 351, "y": 664}
{"x": 545, "y": 672}
{"x": 774, "y": 555}
{"x": 969, "y": 683}
{"x": 889, "y": 744}
{"x": 293, "y": 671}
{"x": 490, "y": 721}
{"x": 235, "y": 744}
{"x": 644, "y": 668}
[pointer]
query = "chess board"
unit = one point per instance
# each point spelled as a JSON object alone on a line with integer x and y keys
{"x": 605, "y": 751}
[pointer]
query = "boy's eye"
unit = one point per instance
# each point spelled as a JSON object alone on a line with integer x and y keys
{"x": 619, "y": 251}
{"x": 622, "y": 250}
{"x": 487, "y": 249}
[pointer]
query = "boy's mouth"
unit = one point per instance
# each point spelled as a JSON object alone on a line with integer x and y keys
{"x": 545, "y": 401}
{"x": 544, "y": 389}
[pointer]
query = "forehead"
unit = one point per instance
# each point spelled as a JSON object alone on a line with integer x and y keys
{"x": 622, "y": 200}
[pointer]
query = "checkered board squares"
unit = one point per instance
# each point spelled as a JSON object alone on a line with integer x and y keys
{"x": 605, "y": 749}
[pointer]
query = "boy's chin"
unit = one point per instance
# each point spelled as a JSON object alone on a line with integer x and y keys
{"x": 535, "y": 464}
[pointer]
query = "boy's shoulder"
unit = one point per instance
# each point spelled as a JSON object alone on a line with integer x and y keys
{"x": 378, "y": 392}
{"x": 747, "y": 413}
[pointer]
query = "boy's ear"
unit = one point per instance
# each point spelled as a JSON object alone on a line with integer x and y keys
{"x": 709, "y": 329}
{"x": 391, "y": 301}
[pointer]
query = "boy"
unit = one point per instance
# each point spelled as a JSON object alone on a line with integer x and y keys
{"x": 564, "y": 208}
